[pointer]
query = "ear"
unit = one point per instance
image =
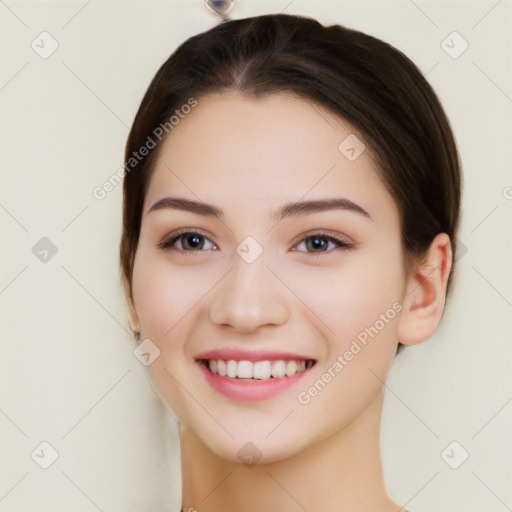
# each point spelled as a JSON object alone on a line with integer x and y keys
{"x": 133, "y": 316}
{"x": 426, "y": 293}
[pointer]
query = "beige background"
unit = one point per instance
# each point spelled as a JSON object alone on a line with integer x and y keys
{"x": 68, "y": 374}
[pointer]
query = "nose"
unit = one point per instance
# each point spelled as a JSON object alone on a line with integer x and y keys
{"x": 250, "y": 296}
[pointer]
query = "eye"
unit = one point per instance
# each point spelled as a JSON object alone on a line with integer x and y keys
{"x": 319, "y": 243}
{"x": 191, "y": 241}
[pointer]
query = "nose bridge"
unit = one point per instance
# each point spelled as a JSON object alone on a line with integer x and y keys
{"x": 249, "y": 296}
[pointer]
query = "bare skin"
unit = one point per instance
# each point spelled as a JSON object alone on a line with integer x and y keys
{"x": 315, "y": 450}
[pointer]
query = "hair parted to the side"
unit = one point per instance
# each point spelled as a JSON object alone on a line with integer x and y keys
{"x": 364, "y": 80}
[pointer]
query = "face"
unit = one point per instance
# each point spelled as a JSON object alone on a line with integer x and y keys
{"x": 299, "y": 306}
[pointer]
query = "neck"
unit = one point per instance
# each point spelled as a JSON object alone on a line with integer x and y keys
{"x": 342, "y": 472}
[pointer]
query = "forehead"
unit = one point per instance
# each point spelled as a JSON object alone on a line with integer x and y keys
{"x": 243, "y": 152}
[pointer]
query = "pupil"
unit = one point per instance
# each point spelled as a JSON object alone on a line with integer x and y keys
{"x": 196, "y": 241}
{"x": 317, "y": 243}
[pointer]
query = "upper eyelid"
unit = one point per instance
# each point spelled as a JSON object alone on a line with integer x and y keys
{"x": 186, "y": 231}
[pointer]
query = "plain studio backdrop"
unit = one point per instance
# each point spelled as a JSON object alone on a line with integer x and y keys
{"x": 81, "y": 427}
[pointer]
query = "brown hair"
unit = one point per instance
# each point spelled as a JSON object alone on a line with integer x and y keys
{"x": 359, "y": 77}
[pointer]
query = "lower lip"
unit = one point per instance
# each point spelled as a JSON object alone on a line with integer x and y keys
{"x": 250, "y": 390}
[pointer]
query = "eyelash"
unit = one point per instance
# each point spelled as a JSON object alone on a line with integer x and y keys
{"x": 170, "y": 240}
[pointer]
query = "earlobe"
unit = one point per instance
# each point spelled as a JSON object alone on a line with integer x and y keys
{"x": 134, "y": 317}
{"x": 425, "y": 297}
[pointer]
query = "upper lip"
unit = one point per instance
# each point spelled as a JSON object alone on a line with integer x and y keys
{"x": 251, "y": 355}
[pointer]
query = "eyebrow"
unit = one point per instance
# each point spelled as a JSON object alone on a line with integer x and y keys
{"x": 288, "y": 210}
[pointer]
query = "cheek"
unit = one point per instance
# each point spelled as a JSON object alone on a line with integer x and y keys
{"x": 345, "y": 298}
{"x": 164, "y": 294}
{"x": 360, "y": 303}
{"x": 165, "y": 298}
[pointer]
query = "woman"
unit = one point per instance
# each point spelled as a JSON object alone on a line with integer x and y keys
{"x": 291, "y": 204}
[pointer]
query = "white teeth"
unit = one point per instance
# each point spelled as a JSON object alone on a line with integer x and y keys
{"x": 231, "y": 368}
{"x": 221, "y": 367}
{"x": 244, "y": 369}
{"x": 291, "y": 368}
{"x": 257, "y": 370}
{"x": 278, "y": 369}
{"x": 261, "y": 370}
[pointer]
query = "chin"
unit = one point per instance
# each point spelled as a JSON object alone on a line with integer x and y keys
{"x": 252, "y": 446}
{"x": 256, "y": 452}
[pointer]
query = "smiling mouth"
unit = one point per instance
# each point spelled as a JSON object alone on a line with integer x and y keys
{"x": 257, "y": 370}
